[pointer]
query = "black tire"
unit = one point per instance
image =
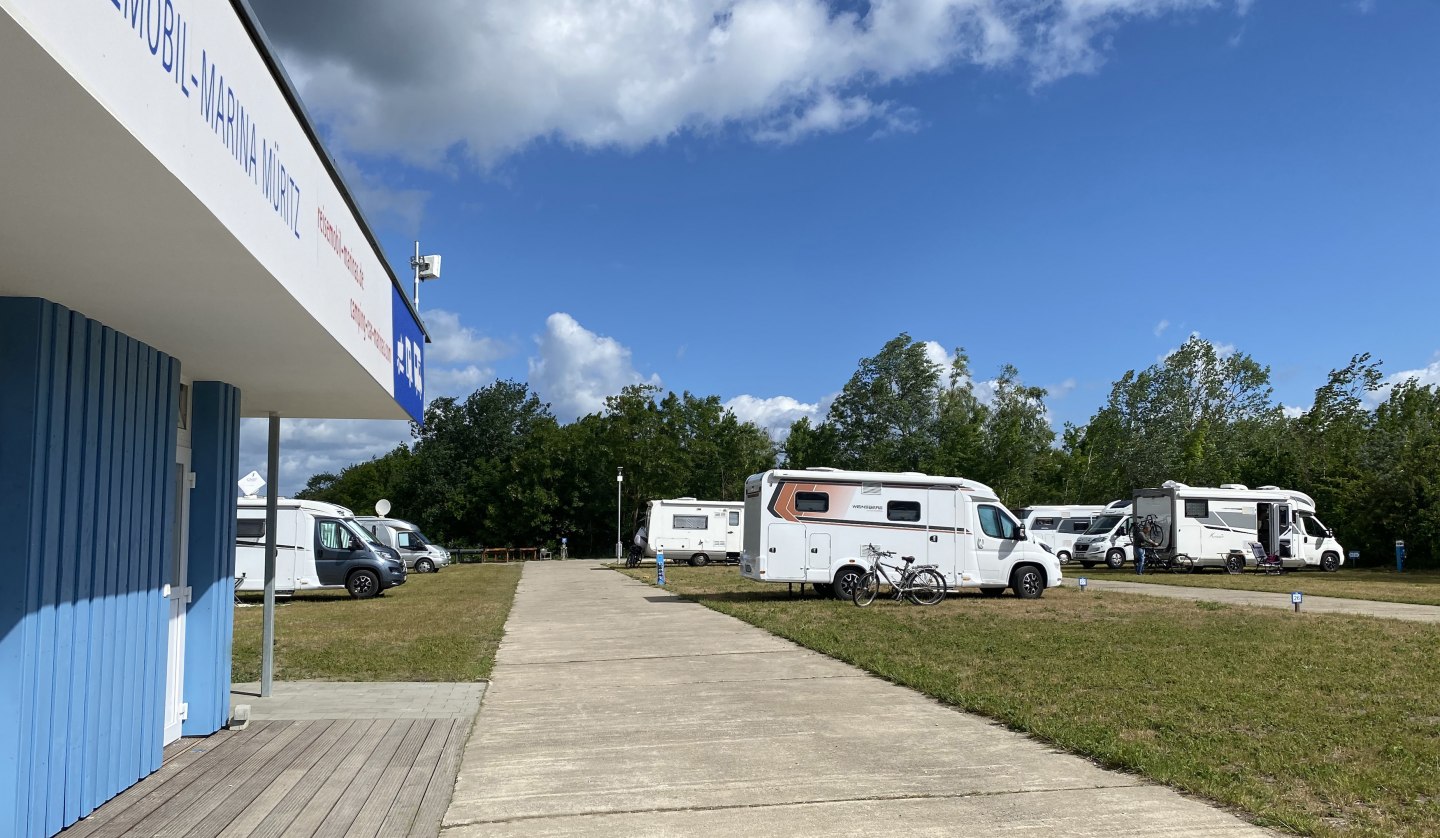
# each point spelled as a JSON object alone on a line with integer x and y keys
{"x": 1234, "y": 564}
{"x": 992, "y": 592}
{"x": 1115, "y": 558}
{"x": 1028, "y": 582}
{"x": 844, "y": 587}
{"x": 928, "y": 587}
{"x": 424, "y": 566}
{"x": 867, "y": 587}
{"x": 1330, "y": 562}
{"x": 699, "y": 560}
{"x": 1063, "y": 557}
{"x": 362, "y": 583}
{"x": 1087, "y": 565}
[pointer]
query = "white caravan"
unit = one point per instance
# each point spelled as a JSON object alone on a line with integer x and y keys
{"x": 697, "y": 531}
{"x": 812, "y": 525}
{"x": 1108, "y": 539}
{"x": 419, "y": 553}
{"x": 1057, "y": 527}
{"x": 1206, "y": 527}
{"x": 317, "y": 545}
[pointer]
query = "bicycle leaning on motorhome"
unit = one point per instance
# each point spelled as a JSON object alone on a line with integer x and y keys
{"x": 921, "y": 584}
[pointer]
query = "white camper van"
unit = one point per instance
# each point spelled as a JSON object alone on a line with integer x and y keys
{"x": 1057, "y": 527}
{"x": 1108, "y": 539}
{"x": 811, "y": 526}
{"x": 1198, "y": 526}
{"x": 317, "y": 545}
{"x": 419, "y": 553}
{"x": 697, "y": 531}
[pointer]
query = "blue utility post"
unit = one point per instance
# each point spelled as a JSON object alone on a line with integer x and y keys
{"x": 660, "y": 567}
{"x": 1399, "y": 557}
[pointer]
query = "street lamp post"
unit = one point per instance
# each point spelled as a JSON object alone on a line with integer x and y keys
{"x": 619, "y": 484}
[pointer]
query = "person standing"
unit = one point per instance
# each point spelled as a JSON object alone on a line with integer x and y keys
{"x": 1140, "y": 551}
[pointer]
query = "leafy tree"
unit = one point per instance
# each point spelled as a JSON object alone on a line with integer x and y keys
{"x": 884, "y": 418}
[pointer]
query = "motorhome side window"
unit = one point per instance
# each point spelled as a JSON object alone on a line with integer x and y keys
{"x": 903, "y": 510}
{"x": 1313, "y": 527}
{"x": 692, "y": 522}
{"x": 1045, "y": 524}
{"x": 734, "y": 518}
{"x": 1075, "y": 525}
{"x": 252, "y": 528}
{"x": 996, "y": 524}
{"x": 403, "y": 540}
{"x": 1197, "y": 509}
{"x": 812, "y": 502}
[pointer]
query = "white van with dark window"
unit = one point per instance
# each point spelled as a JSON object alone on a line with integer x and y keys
{"x": 1108, "y": 539}
{"x": 1057, "y": 527}
{"x": 696, "y": 531}
{"x": 317, "y": 546}
{"x": 812, "y": 526}
{"x": 420, "y": 553}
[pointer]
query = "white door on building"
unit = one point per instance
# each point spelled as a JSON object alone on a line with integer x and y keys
{"x": 177, "y": 592}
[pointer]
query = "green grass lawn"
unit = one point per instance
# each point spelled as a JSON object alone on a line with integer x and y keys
{"x": 1420, "y": 587}
{"x": 1319, "y": 724}
{"x": 436, "y": 627}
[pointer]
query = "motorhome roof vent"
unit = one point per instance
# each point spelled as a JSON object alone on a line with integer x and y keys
{"x": 1235, "y": 486}
{"x": 1274, "y": 488}
{"x": 1173, "y": 484}
{"x": 914, "y": 473}
{"x": 821, "y": 468}
{"x": 687, "y": 497}
{"x": 1118, "y": 504}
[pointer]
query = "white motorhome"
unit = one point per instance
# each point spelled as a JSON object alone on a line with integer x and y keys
{"x": 1057, "y": 527}
{"x": 812, "y": 525}
{"x": 1205, "y": 527}
{"x": 317, "y": 546}
{"x": 419, "y": 553}
{"x": 697, "y": 531}
{"x": 1108, "y": 538}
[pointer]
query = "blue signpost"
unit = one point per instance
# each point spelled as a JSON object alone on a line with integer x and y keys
{"x": 1295, "y": 599}
{"x": 1083, "y": 582}
{"x": 659, "y": 567}
{"x": 1399, "y": 557}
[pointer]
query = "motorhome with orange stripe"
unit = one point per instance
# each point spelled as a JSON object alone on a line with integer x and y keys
{"x": 810, "y": 526}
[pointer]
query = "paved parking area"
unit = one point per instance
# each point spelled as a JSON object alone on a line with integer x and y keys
{"x": 1316, "y": 604}
{"x": 616, "y": 709}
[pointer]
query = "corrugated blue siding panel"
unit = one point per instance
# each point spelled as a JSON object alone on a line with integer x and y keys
{"x": 87, "y": 445}
{"x": 215, "y": 458}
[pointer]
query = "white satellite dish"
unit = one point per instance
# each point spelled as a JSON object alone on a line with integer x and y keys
{"x": 382, "y": 507}
{"x": 251, "y": 483}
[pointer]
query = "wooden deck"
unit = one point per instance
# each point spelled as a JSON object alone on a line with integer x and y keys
{"x": 360, "y": 777}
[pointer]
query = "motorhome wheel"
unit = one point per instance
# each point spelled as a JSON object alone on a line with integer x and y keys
{"x": 1330, "y": 562}
{"x": 362, "y": 584}
{"x": 1027, "y": 582}
{"x": 424, "y": 566}
{"x": 845, "y": 582}
{"x": 1063, "y": 557}
{"x": 699, "y": 560}
{"x": 1115, "y": 559}
{"x": 821, "y": 588}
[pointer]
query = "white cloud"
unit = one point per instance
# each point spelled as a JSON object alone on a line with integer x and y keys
{"x": 456, "y": 381}
{"x": 452, "y": 343}
{"x": 777, "y": 413}
{"x": 1222, "y": 350}
{"x": 310, "y": 446}
{"x": 485, "y": 80}
{"x": 1293, "y": 412}
{"x": 1427, "y": 376}
{"x": 1063, "y": 389}
{"x": 1161, "y": 327}
{"x": 576, "y": 368}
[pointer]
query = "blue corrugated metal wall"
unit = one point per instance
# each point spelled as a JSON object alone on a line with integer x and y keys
{"x": 87, "y": 447}
{"x": 215, "y": 458}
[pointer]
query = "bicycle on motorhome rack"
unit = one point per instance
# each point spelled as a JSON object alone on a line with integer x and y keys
{"x": 921, "y": 584}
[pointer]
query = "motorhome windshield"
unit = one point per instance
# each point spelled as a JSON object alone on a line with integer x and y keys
{"x": 1103, "y": 524}
{"x": 416, "y": 535}
{"x": 361, "y": 533}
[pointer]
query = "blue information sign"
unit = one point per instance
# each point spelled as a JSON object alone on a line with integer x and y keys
{"x": 408, "y": 351}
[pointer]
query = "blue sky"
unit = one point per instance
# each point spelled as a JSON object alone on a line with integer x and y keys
{"x": 1072, "y": 188}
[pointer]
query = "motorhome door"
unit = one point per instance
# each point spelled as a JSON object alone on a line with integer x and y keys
{"x": 942, "y": 524}
{"x": 1274, "y": 528}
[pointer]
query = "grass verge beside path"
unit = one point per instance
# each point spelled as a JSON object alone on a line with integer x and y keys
{"x": 1324, "y": 725}
{"x": 1416, "y": 587}
{"x": 436, "y": 627}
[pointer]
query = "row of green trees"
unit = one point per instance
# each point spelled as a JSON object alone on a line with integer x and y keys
{"x": 497, "y": 468}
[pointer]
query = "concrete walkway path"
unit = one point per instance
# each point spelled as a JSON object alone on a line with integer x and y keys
{"x": 1317, "y": 604}
{"x": 617, "y": 709}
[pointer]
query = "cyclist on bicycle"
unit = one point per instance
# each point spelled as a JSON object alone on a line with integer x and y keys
{"x": 639, "y": 545}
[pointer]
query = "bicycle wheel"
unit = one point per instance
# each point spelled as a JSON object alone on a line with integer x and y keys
{"x": 927, "y": 587}
{"x": 866, "y": 589}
